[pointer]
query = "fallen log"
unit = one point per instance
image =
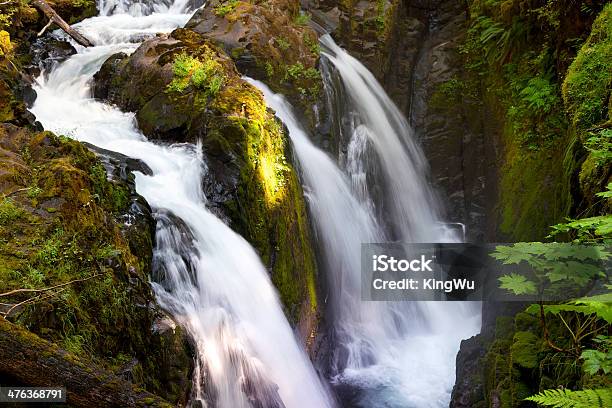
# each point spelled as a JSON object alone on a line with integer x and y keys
{"x": 39, "y": 363}
{"x": 43, "y": 6}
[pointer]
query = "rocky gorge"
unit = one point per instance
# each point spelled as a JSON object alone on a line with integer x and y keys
{"x": 510, "y": 101}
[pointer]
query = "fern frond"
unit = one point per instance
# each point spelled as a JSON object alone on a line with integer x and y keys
{"x": 565, "y": 398}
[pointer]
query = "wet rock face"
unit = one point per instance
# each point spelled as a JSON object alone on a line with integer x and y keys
{"x": 447, "y": 121}
{"x": 102, "y": 79}
{"x": 249, "y": 181}
{"x": 47, "y": 52}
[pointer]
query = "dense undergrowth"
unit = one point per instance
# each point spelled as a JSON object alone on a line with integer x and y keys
{"x": 70, "y": 270}
{"x": 538, "y": 68}
{"x": 542, "y": 70}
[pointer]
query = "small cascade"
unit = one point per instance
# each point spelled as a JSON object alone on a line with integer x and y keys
{"x": 208, "y": 277}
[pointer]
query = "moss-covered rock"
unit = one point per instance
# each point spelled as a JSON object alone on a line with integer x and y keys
{"x": 14, "y": 91}
{"x": 61, "y": 227}
{"x": 587, "y": 91}
{"x": 270, "y": 41}
{"x": 185, "y": 88}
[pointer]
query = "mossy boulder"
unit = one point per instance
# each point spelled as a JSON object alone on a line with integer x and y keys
{"x": 62, "y": 227}
{"x": 270, "y": 41}
{"x": 184, "y": 88}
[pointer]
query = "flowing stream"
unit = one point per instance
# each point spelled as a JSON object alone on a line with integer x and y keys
{"x": 208, "y": 277}
{"x": 213, "y": 283}
{"x": 389, "y": 354}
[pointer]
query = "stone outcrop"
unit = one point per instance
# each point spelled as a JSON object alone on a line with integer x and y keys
{"x": 270, "y": 41}
{"x": 62, "y": 222}
{"x": 185, "y": 88}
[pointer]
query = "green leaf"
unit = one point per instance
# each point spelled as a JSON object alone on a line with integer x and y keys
{"x": 601, "y": 305}
{"x": 516, "y": 253}
{"x": 518, "y": 284}
{"x": 564, "y": 398}
{"x": 595, "y": 360}
{"x": 579, "y": 273}
{"x": 607, "y": 193}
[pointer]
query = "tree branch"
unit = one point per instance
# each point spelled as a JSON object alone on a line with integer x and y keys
{"x": 41, "y": 32}
{"x": 24, "y": 290}
{"x": 43, "y": 6}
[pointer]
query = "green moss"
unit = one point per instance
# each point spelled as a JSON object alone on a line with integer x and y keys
{"x": 517, "y": 56}
{"x": 204, "y": 73}
{"x": 9, "y": 212}
{"x": 587, "y": 86}
{"x": 225, "y": 7}
{"x": 586, "y": 93}
{"x": 525, "y": 346}
{"x": 112, "y": 196}
{"x": 532, "y": 190}
{"x": 98, "y": 315}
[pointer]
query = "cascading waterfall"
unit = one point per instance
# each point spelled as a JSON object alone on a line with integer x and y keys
{"x": 390, "y": 354}
{"x": 208, "y": 277}
{"x": 413, "y": 207}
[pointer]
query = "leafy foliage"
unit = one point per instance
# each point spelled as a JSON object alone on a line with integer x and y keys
{"x": 282, "y": 43}
{"x": 600, "y": 306}
{"x": 599, "y": 144}
{"x": 586, "y": 229}
{"x": 551, "y": 263}
{"x": 206, "y": 75}
{"x": 540, "y": 94}
{"x": 607, "y": 193}
{"x": 564, "y": 398}
{"x": 518, "y": 284}
{"x": 9, "y": 212}
{"x": 225, "y": 7}
{"x": 302, "y": 19}
{"x": 599, "y": 359}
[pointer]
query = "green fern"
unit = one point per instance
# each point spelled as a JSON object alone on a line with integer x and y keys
{"x": 574, "y": 399}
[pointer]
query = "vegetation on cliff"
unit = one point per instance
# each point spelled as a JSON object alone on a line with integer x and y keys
{"x": 70, "y": 270}
{"x": 542, "y": 69}
{"x": 521, "y": 59}
{"x": 185, "y": 88}
{"x": 270, "y": 41}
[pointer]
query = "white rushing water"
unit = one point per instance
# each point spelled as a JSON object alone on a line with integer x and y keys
{"x": 210, "y": 278}
{"x": 396, "y": 354}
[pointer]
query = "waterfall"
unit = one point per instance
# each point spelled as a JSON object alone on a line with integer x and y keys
{"x": 208, "y": 277}
{"x": 386, "y": 354}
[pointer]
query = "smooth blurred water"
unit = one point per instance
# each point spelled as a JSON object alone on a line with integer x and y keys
{"x": 208, "y": 277}
{"x": 389, "y": 354}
